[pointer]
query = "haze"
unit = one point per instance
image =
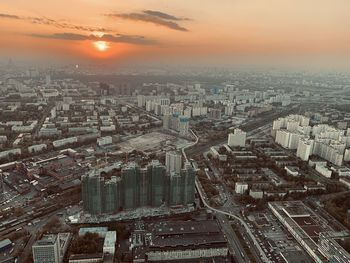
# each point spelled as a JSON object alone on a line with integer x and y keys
{"x": 307, "y": 32}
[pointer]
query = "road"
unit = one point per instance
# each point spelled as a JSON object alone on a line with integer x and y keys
{"x": 190, "y": 145}
{"x": 242, "y": 222}
{"x": 234, "y": 244}
{"x": 233, "y": 208}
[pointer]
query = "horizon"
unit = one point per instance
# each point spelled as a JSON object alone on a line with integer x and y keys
{"x": 287, "y": 33}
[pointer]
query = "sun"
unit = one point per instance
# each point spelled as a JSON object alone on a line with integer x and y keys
{"x": 101, "y": 45}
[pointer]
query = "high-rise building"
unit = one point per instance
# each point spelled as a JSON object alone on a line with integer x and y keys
{"x": 158, "y": 183}
{"x": 237, "y": 138}
{"x": 47, "y": 250}
{"x": 91, "y": 192}
{"x": 141, "y": 101}
{"x": 104, "y": 89}
{"x": 215, "y": 114}
{"x": 48, "y": 79}
{"x": 166, "y": 121}
{"x": 173, "y": 162}
{"x": 130, "y": 185}
{"x": 137, "y": 187}
{"x": 183, "y": 125}
{"x": 347, "y": 155}
{"x": 1, "y": 182}
{"x": 305, "y": 148}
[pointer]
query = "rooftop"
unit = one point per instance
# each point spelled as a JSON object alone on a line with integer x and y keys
{"x": 295, "y": 256}
{"x": 46, "y": 240}
{"x": 5, "y": 243}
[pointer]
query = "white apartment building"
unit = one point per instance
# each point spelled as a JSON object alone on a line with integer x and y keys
{"x": 238, "y": 138}
{"x": 305, "y": 148}
{"x": 241, "y": 187}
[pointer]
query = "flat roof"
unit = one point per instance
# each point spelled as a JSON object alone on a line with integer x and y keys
{"x": 86, "y": 256}
{"x": 186, "y": 227}
{"x": 93, "y": 230}
{"x": 296, "y": 210}
{"x": 296, "y": 256}
{"x": 46, "y": 240}
{"x": 187, "y": 233}
{"x": 5, "y": 243}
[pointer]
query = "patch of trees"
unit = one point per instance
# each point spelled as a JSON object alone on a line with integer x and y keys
{"x": 338, "y": 207}
{"x": 90, "y": 243}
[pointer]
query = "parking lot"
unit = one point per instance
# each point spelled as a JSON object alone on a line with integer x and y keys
{"x": 272, "y": 237}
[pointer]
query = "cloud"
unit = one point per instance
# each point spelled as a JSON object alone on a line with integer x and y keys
{"x": 9, "y": 16}
{"x": 63, "y": 36}
{"x": 53, "y": 22}
{"x": 118, "y": 38}
{"x": 155, "y": 17}
{"x": 163, "y": 15}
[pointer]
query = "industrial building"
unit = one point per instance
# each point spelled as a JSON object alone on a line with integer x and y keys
{"x": 178, "y": 240}
{"x": 311, "y": 231}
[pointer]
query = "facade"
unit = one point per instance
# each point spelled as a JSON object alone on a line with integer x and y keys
{"x": 256, "y": 193}
{"x": 305, "y": 148}
{"x": 62, "y": 142}
{"x": 37, "y": 148}
{"x": 214, "y": 114}
{"x": 5, "y": 244}
{"x": 173, "y": 162}
{"x": 176, "y": 122}
{"x": 86, "y": 258}
{"x": 238, "y": 138}
{"x": 184, "y": 124}
{"x": 2, "y": 188}
{"x": 104, "y": 140}
{"x": 345, "y": 181}
{"x": 47, "y": 250}
{"x": 137, "y": 187}
{"x": 109, "y": 242}
{"x": 241, "y": 187}
{"x": 347, "y": 155}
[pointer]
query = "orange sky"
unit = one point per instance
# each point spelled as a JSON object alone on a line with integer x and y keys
{"x": 176, "y": 28}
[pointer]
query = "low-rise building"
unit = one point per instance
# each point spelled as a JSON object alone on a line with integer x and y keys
{"x": 292, "y": 170}
{"x": 345, "y": 181}
{"x": 110, "y": 242}
{"x": 179, "y": 240}
{"x": 86, "y": 258}
{"x": 241, "y": 187}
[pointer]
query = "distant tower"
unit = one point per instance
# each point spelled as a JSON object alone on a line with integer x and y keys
{"x": 105, "y": 89}
{"x": 10, "y": 63}
{"x": 48, "y": 79}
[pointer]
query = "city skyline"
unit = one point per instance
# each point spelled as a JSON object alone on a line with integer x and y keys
{"x": 174, "y": 131}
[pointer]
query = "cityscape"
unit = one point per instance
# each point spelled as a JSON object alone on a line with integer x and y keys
{"x": 154, "y": 141}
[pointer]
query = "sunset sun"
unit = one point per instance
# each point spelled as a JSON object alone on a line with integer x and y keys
{"x": 101, "y": 45}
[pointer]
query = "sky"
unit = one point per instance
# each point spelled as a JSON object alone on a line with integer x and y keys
{"x": 181, "y": 31}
